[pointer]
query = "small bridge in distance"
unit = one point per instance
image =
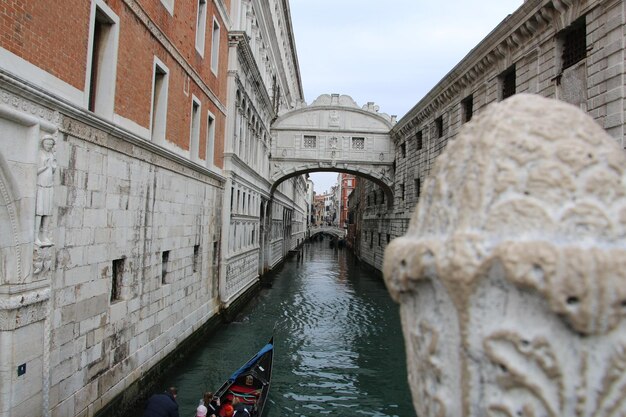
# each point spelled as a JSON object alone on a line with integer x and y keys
{"x": 329, "y": 230}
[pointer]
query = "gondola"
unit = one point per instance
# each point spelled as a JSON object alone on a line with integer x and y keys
{"x": 250, "y": 384}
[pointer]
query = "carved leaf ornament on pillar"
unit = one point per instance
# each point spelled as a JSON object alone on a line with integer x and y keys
{"x": 515, "y": 264}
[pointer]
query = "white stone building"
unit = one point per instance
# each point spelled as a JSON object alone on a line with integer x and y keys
{"x": 261, "y": 224}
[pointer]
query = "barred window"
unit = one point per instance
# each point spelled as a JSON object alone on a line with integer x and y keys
{"x": 310, "y": 141}
{"x": 467, "y": 106}
{"x": 574, "y": 41}
{"x": 439, "y": 126}
{"x": 507, "y": 82}
{"x": 418, "y": 138}
{"x": 358, "y": 143}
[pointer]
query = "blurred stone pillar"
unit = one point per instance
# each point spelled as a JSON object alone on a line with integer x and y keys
{"x": 512, "y": 275}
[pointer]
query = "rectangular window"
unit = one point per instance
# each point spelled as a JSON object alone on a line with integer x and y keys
{"x": 418, "y": 185}
{"x": 371, "y": 240}
{"x": 117, "y": 279}
{"x": 196, "y": 258}
{"x": 439, "y": 126}
{"x": 574, "y": 43}
{"x": 379, "y": 238}
{"x": 201, "y": 26}
{"x": 507, "y": 83}
{"x": 388, "y": 238}
{"x": 165, "y": 258}
{"x": 210, "y": 141}
{"x": 194, "y": 139}
{"x": 467, "y": 108}
{"x": 215, "y": 46}
{"x": 159, "y": 102}
{"x": 402, "y": 191}
{"x": 310, "y": 141}
{"x": 103, "y": 61}
{"x": 403, "y": 150}
{"x": 358, "y": 143}
{"x": 418, "y": 139}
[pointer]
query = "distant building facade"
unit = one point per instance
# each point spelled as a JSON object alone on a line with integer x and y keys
{"x": 347, "y": 182}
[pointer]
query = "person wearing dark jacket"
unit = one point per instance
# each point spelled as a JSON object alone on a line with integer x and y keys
{"x": 162, "y": 405}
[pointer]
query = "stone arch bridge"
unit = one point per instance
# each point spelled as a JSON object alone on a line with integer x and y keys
{"x": 334, "y": 134}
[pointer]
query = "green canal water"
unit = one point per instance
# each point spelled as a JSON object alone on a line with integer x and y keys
{"x": 339, "y": 349}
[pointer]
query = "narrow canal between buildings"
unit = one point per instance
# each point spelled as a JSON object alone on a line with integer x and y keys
{"x": 339, "y": 349}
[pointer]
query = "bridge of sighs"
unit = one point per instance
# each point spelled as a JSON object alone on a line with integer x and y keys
{"x": 334, "y": 134}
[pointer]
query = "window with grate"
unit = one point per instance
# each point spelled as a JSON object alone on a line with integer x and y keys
{"x": 358, "y": 143}
{"x": 439, "y": 126}
{"x": 418, "y": 138}
{"x": 574, "y": 41}
{"x": 467, "y": 106}
{"x": 117, "y": 270}
{"x": 310, "y": 141}
{"x": 507, "y": 80}
{"x": 165, "y": 258}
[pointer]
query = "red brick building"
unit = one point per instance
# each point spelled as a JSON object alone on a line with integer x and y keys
{"x": 133, "y": 94}
{"x": 114, "y": 58}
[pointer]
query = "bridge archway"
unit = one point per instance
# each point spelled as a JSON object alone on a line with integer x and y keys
{"x": 334, "y": 134}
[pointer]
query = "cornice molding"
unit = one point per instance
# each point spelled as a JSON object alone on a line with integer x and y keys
{"x": 69, "y": 119}
{"x": 155, "y": 31}
{"x": 240, "y": 39}
{"x": 506, "y": 39}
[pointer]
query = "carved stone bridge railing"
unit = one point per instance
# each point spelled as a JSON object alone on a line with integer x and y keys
{"x": 512, "y": 275}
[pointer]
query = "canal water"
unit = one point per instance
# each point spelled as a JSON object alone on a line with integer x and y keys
{"x": 339, "y": 349}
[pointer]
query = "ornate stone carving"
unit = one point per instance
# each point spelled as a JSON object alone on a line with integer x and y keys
{"x": 522, "y": 225}
{"x": 26, "y": 106}
{"x": 47, "y": 165}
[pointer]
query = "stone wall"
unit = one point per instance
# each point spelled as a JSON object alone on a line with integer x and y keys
{"x": 121, "y": 271}
{"x": 530, "y": 42}
{"x": 511, "y": 276}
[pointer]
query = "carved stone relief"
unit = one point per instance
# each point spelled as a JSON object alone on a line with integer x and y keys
{"x": 46, "y": 166}
{"x": 522, "y": 225}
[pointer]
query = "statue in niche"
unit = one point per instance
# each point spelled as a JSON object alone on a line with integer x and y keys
{"x": 47, "y": 164}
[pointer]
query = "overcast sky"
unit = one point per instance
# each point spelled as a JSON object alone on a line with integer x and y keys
{"x": 391, "y": 53}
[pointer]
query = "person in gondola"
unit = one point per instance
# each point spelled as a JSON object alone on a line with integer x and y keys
{"x": 201, "y": 411}
{"x": 211, "y": 403}
{"x": 162, "y": 405}
{"x": 241, "y": 409}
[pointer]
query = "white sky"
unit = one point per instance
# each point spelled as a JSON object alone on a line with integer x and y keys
{"x": 391, "y": 53}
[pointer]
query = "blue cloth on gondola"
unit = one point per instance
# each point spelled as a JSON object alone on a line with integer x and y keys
{"x": 251, "y": 362}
